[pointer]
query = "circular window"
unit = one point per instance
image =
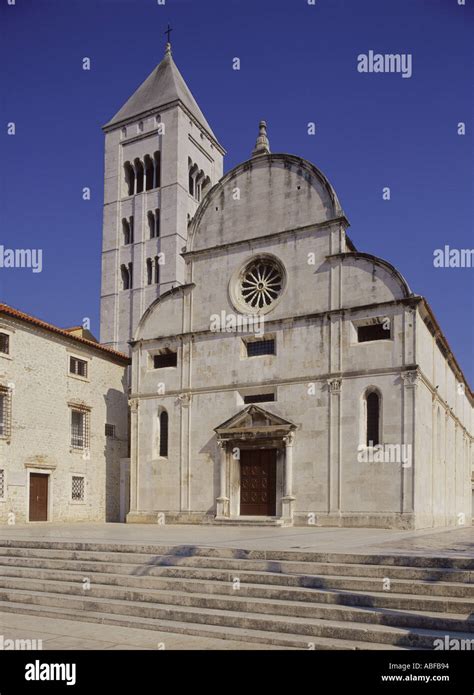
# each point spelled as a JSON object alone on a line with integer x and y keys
{"x": 258, "y": 285}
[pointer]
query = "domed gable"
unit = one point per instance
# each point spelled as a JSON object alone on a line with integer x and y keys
{"x": 266, "y": 194}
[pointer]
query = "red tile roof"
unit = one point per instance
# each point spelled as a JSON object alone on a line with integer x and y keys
{"x": 14, "y": 313}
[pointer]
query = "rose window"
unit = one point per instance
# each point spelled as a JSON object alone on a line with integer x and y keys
{"x": 261, "y": 284}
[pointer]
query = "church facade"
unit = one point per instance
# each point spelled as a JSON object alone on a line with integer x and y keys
{"x": 279, "y": 375}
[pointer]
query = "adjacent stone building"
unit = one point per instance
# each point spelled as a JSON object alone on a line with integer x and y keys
{"x": 63, "y": 424}
{"x": 279, "y": 375}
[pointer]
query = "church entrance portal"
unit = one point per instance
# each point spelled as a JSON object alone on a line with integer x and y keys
{"x": 258, "y": 482}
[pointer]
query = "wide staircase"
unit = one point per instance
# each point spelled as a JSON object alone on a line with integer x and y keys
{"x": 283, "y": 599}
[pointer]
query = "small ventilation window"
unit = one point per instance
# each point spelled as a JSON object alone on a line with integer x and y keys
{"x": 165, "y": 359}
{"x": 375, "y": 331}
{"x": 260, "y": 347}
{"x": 259, "y": 398}
{"x": 110, "y": 431}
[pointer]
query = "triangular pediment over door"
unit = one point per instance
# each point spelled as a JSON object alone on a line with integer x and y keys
{"x": 254, "y": 420}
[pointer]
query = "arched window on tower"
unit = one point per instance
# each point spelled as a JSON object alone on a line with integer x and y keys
{"x": 151, "y": 224}
{"x": 193, "y": 170}
{"x": 157, "y": 223}
{"x": 149, "y": 271}
{"x": 198, "y": 185}
{"x": 125, "y": 277}
{"x": 206, "y": 184}
{"x": 139, "y": 172}
{"x": 129, "y": 178}
{"x": 149, "y": 173}
{"x": 157, "y": 271}
{"x": 373, "y": 417}
{"x": 157, "y": 169}
{"x": 127, "y": 236}
{"x": 163, "y": 433}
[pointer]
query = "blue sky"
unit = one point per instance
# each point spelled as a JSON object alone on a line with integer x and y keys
{"x": 298, "y": 65}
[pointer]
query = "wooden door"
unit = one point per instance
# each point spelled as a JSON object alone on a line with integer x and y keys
{"x": 258, "y": 482}
{"x": 38, "y": 497}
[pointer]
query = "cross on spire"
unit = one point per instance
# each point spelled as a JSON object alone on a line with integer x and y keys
{"x": 168, "y": 32}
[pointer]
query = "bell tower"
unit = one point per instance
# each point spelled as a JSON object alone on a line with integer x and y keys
{"x": 161, "y": 158}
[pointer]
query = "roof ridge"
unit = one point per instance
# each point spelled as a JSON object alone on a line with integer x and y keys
{"x": 22, "y": 316}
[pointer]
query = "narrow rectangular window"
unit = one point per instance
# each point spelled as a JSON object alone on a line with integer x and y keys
{"x": 375, "y": 331}
{"x": 78, "y": 367}
{"x": 165, "y": 359}
{"x": 260, "y": 347}
{"x": 5, "y": 343}
{"x": 2, "y": 484}
{"x": 79, "y": 428}
{"x": 78, "y": 488}
{"x": 164, "y": 433}
{"x": 5, "y": 412}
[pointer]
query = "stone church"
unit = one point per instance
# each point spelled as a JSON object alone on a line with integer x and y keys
{"x": 279, "y": 375}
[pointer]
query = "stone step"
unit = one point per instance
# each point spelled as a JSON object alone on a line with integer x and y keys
{"x": 378, "y": 599}
{"x": 273, "y": 639}
{"x": 309, "y": 627}
{"x": 284, "y": 566}
{"x": 384, "y": 599}
{"x": 248, "y": 604}
{"x": 249, "y": 521}
{"x": 394, "y": 559}
{"x": 329, "y": 582}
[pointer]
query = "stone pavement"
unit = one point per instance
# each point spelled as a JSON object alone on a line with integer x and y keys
{"x": 456, "y": 542}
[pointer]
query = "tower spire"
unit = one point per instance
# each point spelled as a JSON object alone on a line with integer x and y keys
{"x": 262, "y": 146}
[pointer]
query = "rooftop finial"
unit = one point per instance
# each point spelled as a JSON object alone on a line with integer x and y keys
{"x": 262, "y": 146}
{"x": 168, "y": 43}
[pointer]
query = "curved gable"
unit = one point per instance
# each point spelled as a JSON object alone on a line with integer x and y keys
{"x": 368, "y": 278}
{"x": 164, "y": 316}
{"x": 266, "y": 194}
